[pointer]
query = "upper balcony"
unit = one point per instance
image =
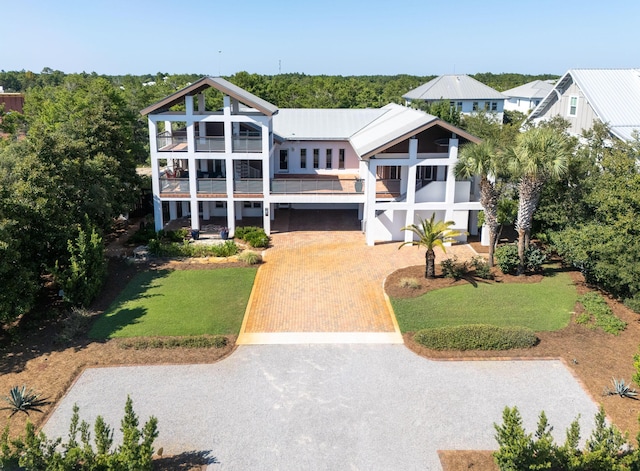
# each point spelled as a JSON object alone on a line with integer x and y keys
{"x": 244, "y": 141}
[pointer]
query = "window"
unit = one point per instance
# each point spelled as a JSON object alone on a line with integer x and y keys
{"x": 475, "y": 106}
{"x": 494, "y": 106}
{"x": 341, "y": 158}
{"x": 219, "y": 204}
{"x": 459, "y": 106}
{"x": 536, "y": 102}
{"x": 329, "y": 158}
{"x": 284, "y": 160}
{"x": 573, "y": 105}
{"x": 424, "y": 173}
{"x": 487, "y": 105}
{"x": 247, "y": 204}
{"x": 316, "y": 158}
{"x": 303, "y": 158}
{"x": 257, "y": 204}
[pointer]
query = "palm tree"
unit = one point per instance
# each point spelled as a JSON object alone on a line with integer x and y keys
{"x": 431, "y": 234}
{"x": 540, "y": 154}
{"x": 483, "y": 160}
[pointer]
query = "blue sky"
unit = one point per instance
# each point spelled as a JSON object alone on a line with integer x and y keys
{"x": 424, "y": 37}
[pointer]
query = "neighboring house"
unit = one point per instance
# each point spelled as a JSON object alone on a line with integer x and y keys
{"x": 389, "y": 166}
{"x": 581, "y": 96}
{"x": 464, "y": 93}
{"x": 12, "y": 101}
{"x": 526, "y": 97}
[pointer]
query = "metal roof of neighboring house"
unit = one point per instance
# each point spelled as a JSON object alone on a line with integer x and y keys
{"x": 453, "y": 87}
{"x": 614, "y": 95}
{"x": 535, "y": 89}
{"x": 321, "y": 124}
{"x": 396, "y": 124}
{"x": 220, "y": 84}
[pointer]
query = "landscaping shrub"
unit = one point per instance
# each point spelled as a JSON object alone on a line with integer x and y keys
{"x": 255, "y": 236}
{"x": 633, "y": 303}
{"x": 451, "y": 268}
{"x": 143, "y": 236}
{"x": 476, "y": 337}
{"x": 250, "y": 258}
{"x": 636, "y": 366}
{"x": 35, "y": 452}
{"x": 606, "y": 448}
{"x": 198, "y": 341}
{"x": 241, "y": 232}
{"x": 599, "y": 314}
{"x": 185, "y": 249}
{"x": 481, "y": 267}
{"x": 507, "y": 259}
{"x": 412, "y": 283}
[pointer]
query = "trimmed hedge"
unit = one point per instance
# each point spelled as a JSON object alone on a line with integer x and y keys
{"x": 199, "y": 341}
{"x": 476, "y": 337}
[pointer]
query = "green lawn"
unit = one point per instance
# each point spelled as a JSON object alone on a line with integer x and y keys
{"x": 540, "y": 306}
{"x": 177, "y": 303}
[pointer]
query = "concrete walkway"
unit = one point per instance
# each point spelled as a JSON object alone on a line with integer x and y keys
{"x": 326, "y": 286}
{"x": 328, "y": 407}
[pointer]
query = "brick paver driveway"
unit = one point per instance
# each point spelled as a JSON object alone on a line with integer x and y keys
{"x": 326, "y": 280}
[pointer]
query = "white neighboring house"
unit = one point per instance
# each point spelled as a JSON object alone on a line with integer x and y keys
{"x": 464, "y": 93}
{"x": 526, "y": 97}
{"x": 581, "y": 96}
{"x": 389, "y": 166}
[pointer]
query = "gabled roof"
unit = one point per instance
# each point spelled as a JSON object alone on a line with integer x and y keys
{"x": 220, "y": 84}
{"x": 453, "y": 87}
{"x": 397, "y": 124}
{"x": 321, "y": 124}
{"x": 535, "y": 89}
{"x": 614, "y": 95}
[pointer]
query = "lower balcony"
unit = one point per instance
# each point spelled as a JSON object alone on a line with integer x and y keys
{"x": 316, "y": 184}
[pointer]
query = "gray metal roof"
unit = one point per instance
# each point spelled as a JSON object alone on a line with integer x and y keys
{"x": 220, "y": 84}
{"x": 535, "y": 89}
{"x": 321, "y": 124}
{"x": 614, "y": 95}
{"x": 453, "y": 87}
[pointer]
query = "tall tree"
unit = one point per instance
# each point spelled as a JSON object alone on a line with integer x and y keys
{"x": 431, "y": 234}
{"x": 484, "y": 160}
{"x": 540, "y": 154}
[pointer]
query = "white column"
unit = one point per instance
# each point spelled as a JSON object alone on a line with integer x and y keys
{"x": 231, "y": 217}
{"x": 450, "y": 187}
{"x": 155, "y": 176}
{"x": 173, "y": 210}
{"x": 266, "y": 218}
{"x": 370, "y": 202}
{"x": 206, "y": 215}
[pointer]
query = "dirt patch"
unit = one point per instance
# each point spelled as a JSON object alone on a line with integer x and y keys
{"x": 593, "y": 356}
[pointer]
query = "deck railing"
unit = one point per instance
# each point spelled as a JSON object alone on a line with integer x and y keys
{"x": 174, "y": 185}
{"x": 312, "y": 185}
{"x": 212, "y": 185}
{"x": 209, "y": 144}
{"x": 247, "y": 144}
{"x": 248, "y": 185}
{"x": 171, "y": 142}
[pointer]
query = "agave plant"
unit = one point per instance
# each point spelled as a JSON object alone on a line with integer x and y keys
{"x": 622, "y": 389}
{"x": 21, "y": 399}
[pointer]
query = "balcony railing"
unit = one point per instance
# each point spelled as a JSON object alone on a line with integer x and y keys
{"x": 210, "y": 144}
{"x": 247, "y": 144}
{"x": 248, "y": 185}
{"x": 174, "y": 185}
{"x": 171, "y": 143}
{"x": 387, "y": 187}
{"x": 312, "y": 186}
{"x": 212, "y": 185}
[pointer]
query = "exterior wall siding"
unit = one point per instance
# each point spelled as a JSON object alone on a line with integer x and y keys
{"x": 584, "y": 113}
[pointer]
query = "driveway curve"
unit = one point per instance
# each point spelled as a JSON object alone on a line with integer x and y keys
{"x": 327, "y": 407}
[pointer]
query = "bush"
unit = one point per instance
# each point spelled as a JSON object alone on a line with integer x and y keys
{"x": 451, "y": 268}
{"x": 599, "y": 314}
{"x": 255, "y": 236}
{"x": 185, "y": 249}
{"x": 507, "y": 259}
{"x": 633, "y": 303}
{"x": 412, "y": 283}
{"x": 35, "y": 452}
{"x": 250, "y": 258}
{"x": 476, "y": 337}
{"x": 481, "y": 267}
{"x": 241, "y": 232}
{"x": 75, "y": 323}
{"x": 199, "y": 341}
{"x": 143, "y": 236}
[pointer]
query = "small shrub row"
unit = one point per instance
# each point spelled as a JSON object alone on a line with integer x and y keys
{"x": 255, "y": 236}
{"x": 605, "y": 449}
{"x": 598, "y": 314}
{"x": 476, "y": 337}
{"x": 185, "y": 249}
{"x": 199, "y": 341}
{"x": 481, "y": 268}
{"x": 507, "y": 259}
{"x": 148, "y": 233}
